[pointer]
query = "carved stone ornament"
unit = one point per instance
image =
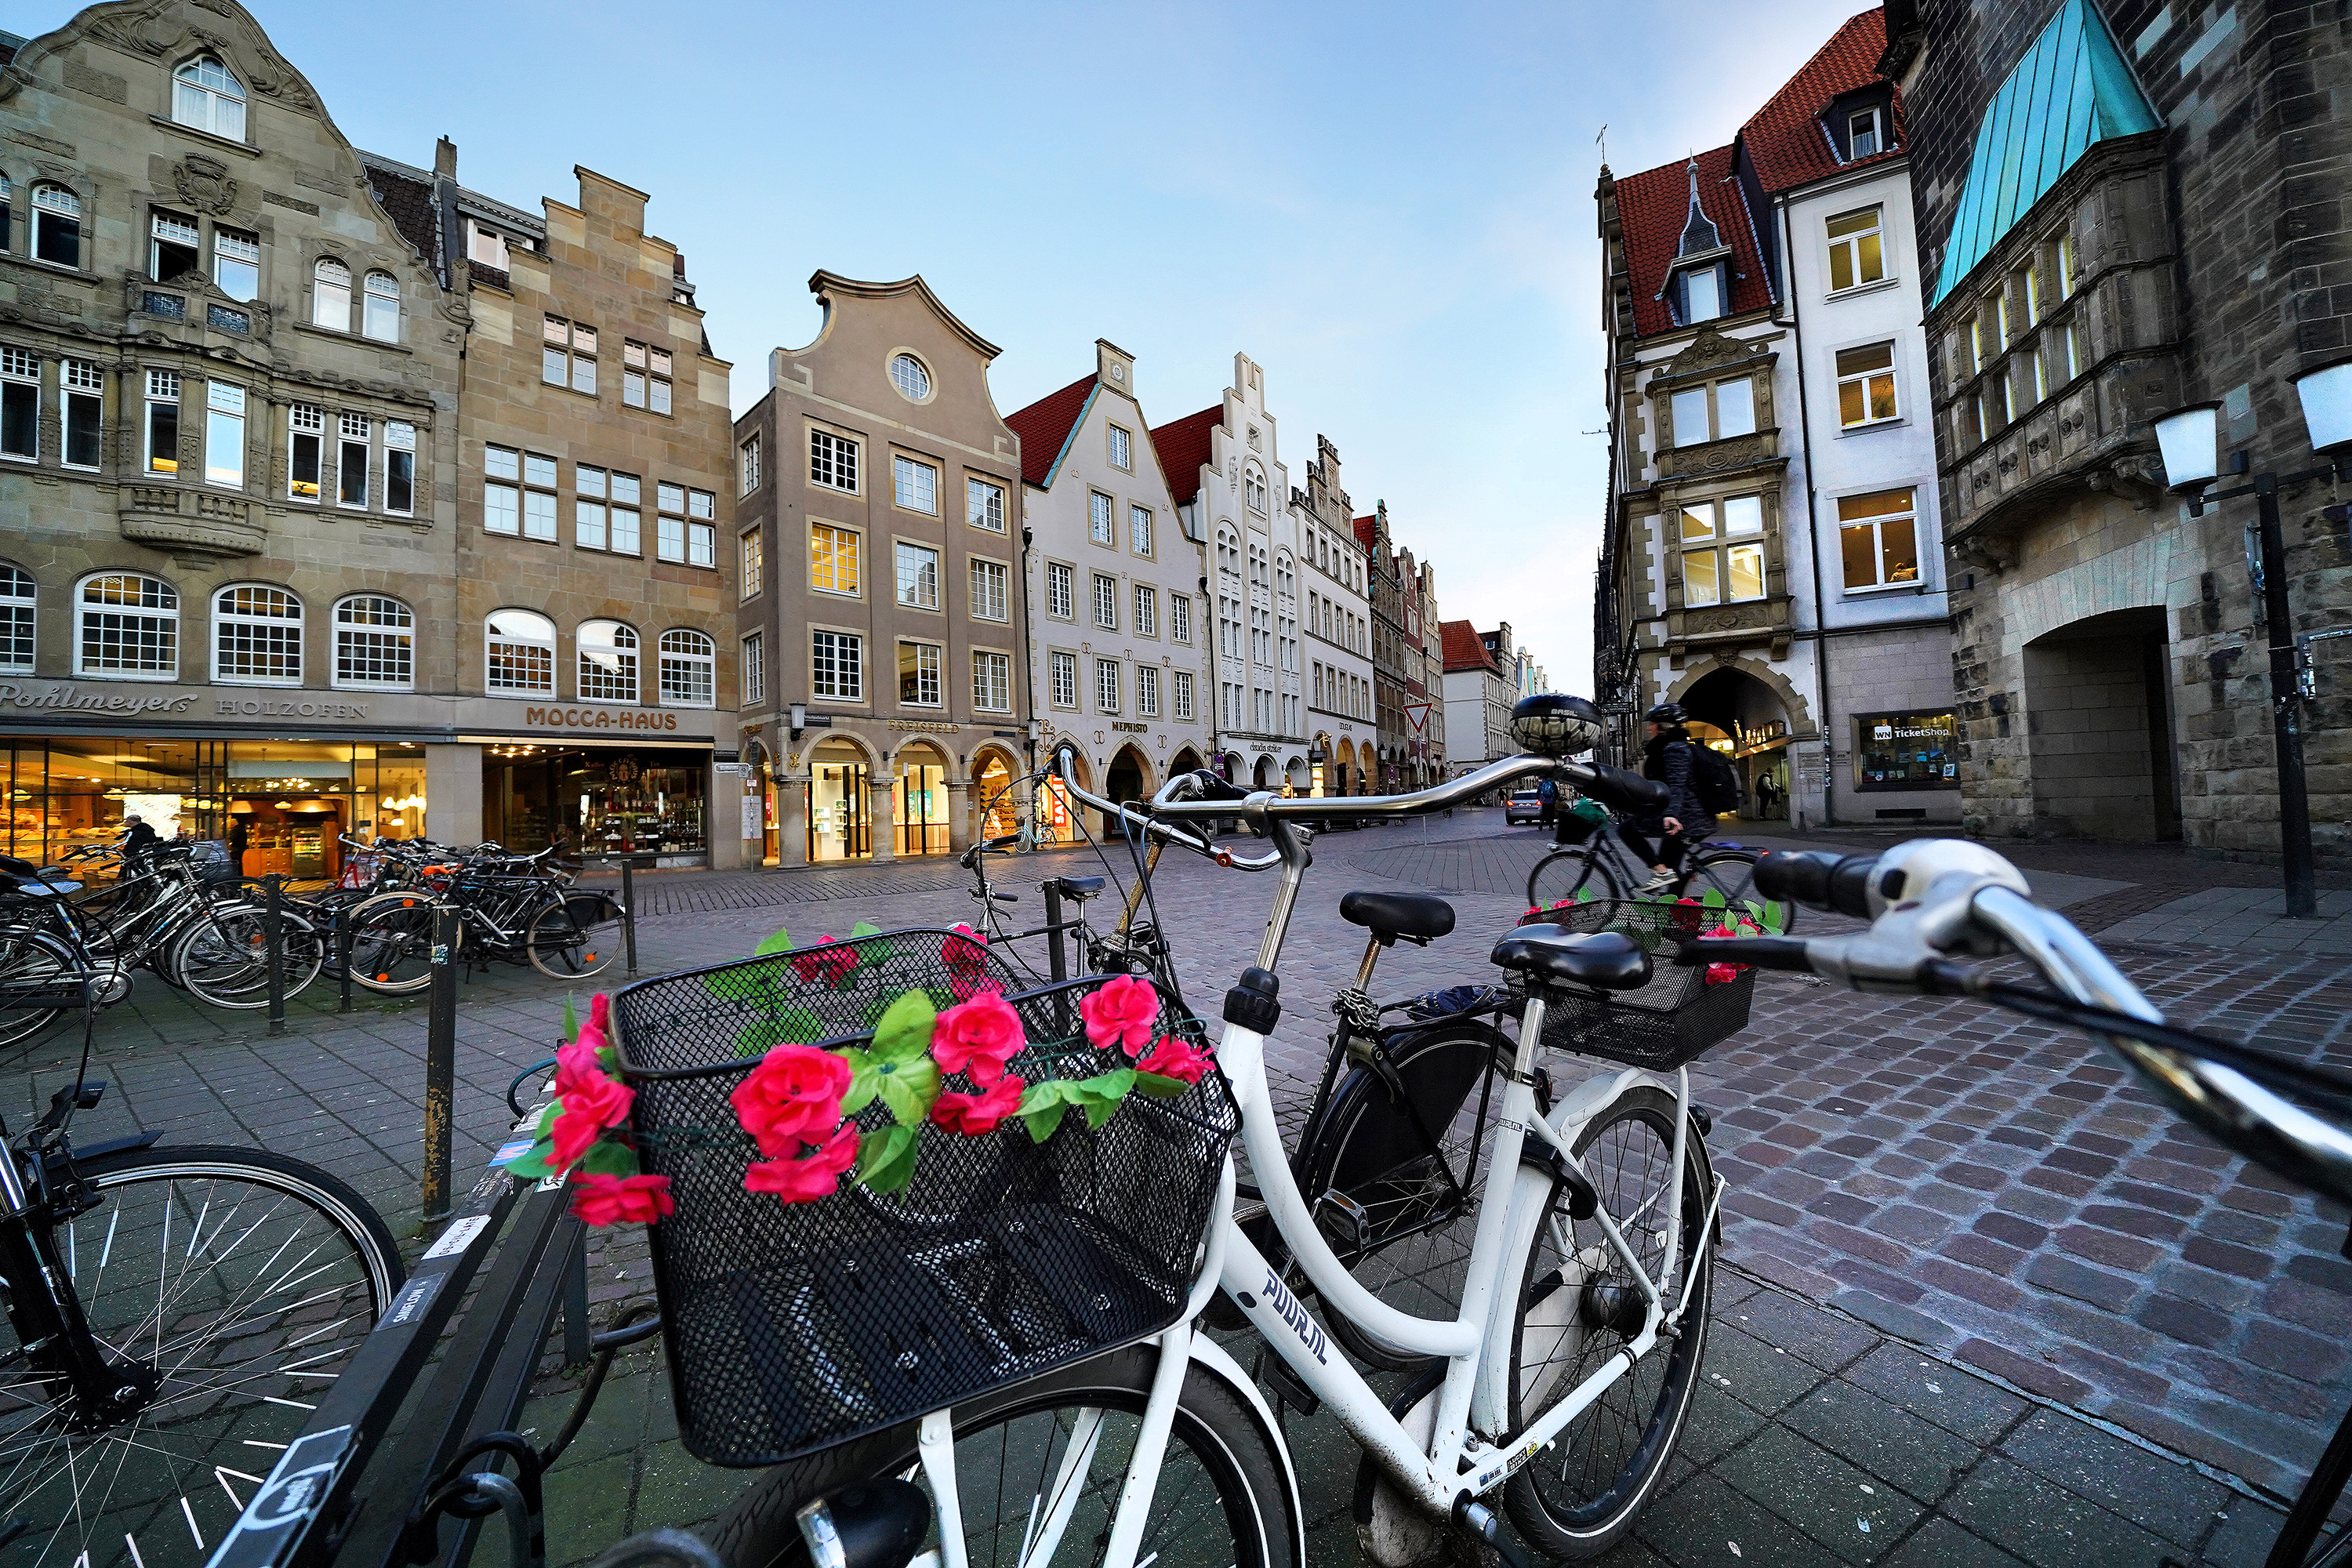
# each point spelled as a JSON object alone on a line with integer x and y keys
{"x": 204, "y": 183}
{"x": 1715, "y": 457}
{"x": 1710, "y": 349}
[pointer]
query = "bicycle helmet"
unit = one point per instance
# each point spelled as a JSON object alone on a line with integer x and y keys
{"x": 1551, "y": 724}
{"x": 1666, "y": 713}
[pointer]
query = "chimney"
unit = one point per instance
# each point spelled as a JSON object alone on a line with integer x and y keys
{"x": 445, "y": 158}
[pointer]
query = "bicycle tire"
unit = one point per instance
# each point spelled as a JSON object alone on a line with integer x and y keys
{"x": 391, "y": 943}
{"x": 1217, "y": 1439}
{"x": 225, "y": 961}
{"x": 293, "y": 1267}
{"x": 1707, "y": 871}
{"x": 33, "y": 963}
{"x": 1637, "y": 1430}
{"x": 568, "y": 948}
{"x": 1582, "y": 875}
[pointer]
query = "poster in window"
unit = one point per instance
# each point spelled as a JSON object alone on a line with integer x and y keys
{"x": 1906, "y": 751}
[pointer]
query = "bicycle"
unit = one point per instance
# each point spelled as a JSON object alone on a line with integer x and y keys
{"x": 522, "y": 909}
{"x": 1596, "y": 877}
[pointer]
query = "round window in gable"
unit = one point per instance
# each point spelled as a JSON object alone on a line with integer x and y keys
{"x": 907, "y": 375}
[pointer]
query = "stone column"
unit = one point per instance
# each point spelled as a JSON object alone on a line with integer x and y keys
{"x": 792, "y": 820}
{"x": 453, "y": 795}
{"x": 883, "y": 816}
{"x": 962, "y": 830}
{"x": 722, "y": 819}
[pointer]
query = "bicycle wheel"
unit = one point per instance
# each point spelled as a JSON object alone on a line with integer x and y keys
{"x": 391, "y": 943}
{"x": 1409, "y": 1242}
{"x": 1581, "y": 876}
{"x": 1038, "y": 1473}
{"x": 574, "y": 937}
{"x": 225, "y": 960}
{"x": 35, "y": 971}
{"x": 1578, "y": 1308}
{"x": 236, "y": 1284}
{"x": 1732, "y": 873}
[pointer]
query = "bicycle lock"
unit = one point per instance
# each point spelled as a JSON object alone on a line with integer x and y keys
{"x": 440, "y": 1061}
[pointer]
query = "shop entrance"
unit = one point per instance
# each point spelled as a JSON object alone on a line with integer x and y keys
{"x": 598, "y": 801}
{"x": 1056, "y": 815}
{"x": 918, "y": 802}
{"x": 1737, "y": 714}
{"x": 1000, "y": 813}
{"x": 840, "y": 815}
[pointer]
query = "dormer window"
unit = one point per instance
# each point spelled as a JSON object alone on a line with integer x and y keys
{"x": 1859, "y": 124}
{"x": 1698, "y": 293}
{"x": 1863, "y": 134}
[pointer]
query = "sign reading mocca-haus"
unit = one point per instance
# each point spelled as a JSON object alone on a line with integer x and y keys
{"x": 601, "y": 718}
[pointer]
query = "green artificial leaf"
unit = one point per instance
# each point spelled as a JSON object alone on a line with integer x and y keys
{"x": 793, "y": 1026}
{"x": 777, "y": 941}
{"x": 865, "y": 1079}
{"x": 1042, "y": 1108}
{"x": 545, "y": 1126}
{"x": 608, "y": 1157}
{"x": 865, "y": 928}
{"x": 885, "y": 1160}
{"x": 536, "y": 1162}
{"x": 1159, "y": 1086}
{"x": 1100, "y": 1096}
{"x": 1712, "y": 899}
{"x": 1768, "y": 917}
{"x": 905, "y": 1031}
{"x": 570, "y": 1018}
{"x": 909, "y": 1089}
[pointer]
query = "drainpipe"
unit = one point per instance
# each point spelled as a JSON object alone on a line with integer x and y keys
{"x": 1812, "y": 544}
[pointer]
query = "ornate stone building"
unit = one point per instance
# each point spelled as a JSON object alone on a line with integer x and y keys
{"x": 1341, "y": 717}
{"x": 1387, "y": 596}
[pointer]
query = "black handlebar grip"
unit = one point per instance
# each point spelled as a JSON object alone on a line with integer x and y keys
{"x": 1763, "y": 951}
{"x": 1622, "y": 790}
{"x": 1820, "y": 882}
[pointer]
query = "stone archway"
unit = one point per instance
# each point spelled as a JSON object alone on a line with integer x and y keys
{"x": 2099, "y": 727}
{"x": 1185, "y": 761}
{"x": 1798, "y": 712}
{"x": 995, "y": 804}
{"x": 1057, "y": 814}
{"x": 921, "y": 813}
{"x": 1263, "y": 776}
{"x": 1127, "y": 778}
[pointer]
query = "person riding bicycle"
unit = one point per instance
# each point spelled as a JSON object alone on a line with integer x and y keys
{"x": 1670, "y": 758}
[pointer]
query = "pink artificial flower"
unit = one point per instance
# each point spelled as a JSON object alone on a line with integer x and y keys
{"x": 600, "y": 1013}
{"x": 832, "y": 962}
{"x": 792, "y": 1097}
{"x": 978, "y": 1038}
{"x": 807, "y": 1180}
{"x": 607, "y": 1200}
{"x": 1723, "y": 973}
{"x": 1122, "y": 1012}
{"x": 592, "y": 1102}
{"x": 1171, "y": 1058}
{"x": 974, "y": 1114}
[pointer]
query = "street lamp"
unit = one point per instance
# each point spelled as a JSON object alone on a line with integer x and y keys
{"x": 2188, "y": 440}
{"x": 799, "y": 718}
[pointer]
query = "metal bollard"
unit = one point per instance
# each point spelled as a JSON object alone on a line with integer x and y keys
{"x": 629, "y": 917}
{"x": 274, "y": 949}
{"x": 440, "y": 1062}
{"x": 343, "y": 955}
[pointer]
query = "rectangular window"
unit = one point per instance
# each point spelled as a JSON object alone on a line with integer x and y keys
{"x": 2069, "y": 266}
{"x": 539, "y": 496}
{"x": 1098, "y": 527}
{"x": 627, "y": 491}
{"x": 1906, "y": 751}
{"x": 1735, "y": 407}
{"x": 991, "y": 682}
{"x": 588, "y": 507}
{"x": 748, "y": 564}
{"x": 1857, "y": 254}
{"x": 1976, "y": 415}
{"x": 1179, "y": 618}
{"x": 915, "y": 486}
{"x": 832, "y": 559}
{"x": 1138, "y": 529}
{"x": 2031, "y": 282}
{"x": 83, "y": 385}
{"x": 1183, "y": 694}
{"x": 837, "y": 666}
{"x": 352, "y": 461}
{"x": 1861, "y": 134}
{"x": 306, "y": 442}
{"x": 1866, "y": 384}
{"x": 400, "y": 467}
{"x": 487, "y": 248}
{"x": 919, "y": 576}
{"x": 1060, "y": 586}
{"x": 1878, "y": 539}
{"x": 748, "y": 457}
{"x": 1147, "y": 691}
{"x": 1975, "y": 344}
{"x": 1107, "y": 603}
{"x": 1147, "y": 612}
{"x": 2040, "y": 357}
{"x": 1106, "y": 686}
{"x": 755, "y": 670}
{"x": 2000, "y": 333}
{"x": 1712, "y": 574}
{"x": 2004, "y": 386}
{"x": 984, "y": 505}
{"x": 1121, "y": 448}
{"x": 833, "y": 461}
{"x": 701, "y": 531}
{"x": 1065, "y": 668}
{"x": 162, "y": 424}
{"x": 989, "y": 583}
{"x": 1702, "y": 296}
{"x": 237, "y": 262}
{"x": 919, "y": 674}
{"x": 171, "y": 246}
{"x": 224, "y": 435}
{"x": 20, "y": 404}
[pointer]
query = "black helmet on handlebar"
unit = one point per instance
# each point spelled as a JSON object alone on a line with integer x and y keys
{"x": 1552, "y": 724}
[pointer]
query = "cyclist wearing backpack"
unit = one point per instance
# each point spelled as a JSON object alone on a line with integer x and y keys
{"x": 1697, "y": 782}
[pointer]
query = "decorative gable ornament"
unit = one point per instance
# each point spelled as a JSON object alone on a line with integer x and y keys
{"x": 204, "y": 183}
{"x": 1710, "y": 349}
{"x": 1699, "y": 234}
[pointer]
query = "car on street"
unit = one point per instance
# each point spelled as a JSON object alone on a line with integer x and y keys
{"x": 1522, "y": 806}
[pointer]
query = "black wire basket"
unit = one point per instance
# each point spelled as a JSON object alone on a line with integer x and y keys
{"x": 792, "y": 1328}
{"x": 1672, "y": 1021}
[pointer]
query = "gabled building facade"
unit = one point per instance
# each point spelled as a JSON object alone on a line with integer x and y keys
{"x": 1479, "y": 692}
{"x": 1116, "y": 625}
{"x": 1336, "y": 601}
{"x": 1385, "y": 578}
{"x": 1423, "y": 735}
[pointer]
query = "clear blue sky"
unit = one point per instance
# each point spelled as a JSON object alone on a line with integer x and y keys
{"x": 1388, "y": 207}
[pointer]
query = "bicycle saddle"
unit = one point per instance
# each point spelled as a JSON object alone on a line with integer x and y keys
{"x": 1078, "y": 887}
{"x": 1605, "y": 961}
{"x": 1388, "y": 916}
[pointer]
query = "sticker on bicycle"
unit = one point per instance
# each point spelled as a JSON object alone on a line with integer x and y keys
{"x": 299, "y": 1484}
{"x": 509, "y": 1152}
{"x": 411, "y": 1303}
{"x": 461, "y": 1234}
{"x": 1286, "y": 1307}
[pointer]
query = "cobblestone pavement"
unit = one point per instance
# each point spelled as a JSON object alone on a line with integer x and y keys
{"x": 1957, "y": 1189}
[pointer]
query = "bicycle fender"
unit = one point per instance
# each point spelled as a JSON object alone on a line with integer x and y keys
{"x": 1212, "y": 1358}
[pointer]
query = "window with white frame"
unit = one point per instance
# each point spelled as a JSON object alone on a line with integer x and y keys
{"x": 701, "y": 528}
{"x": 82, "y": 386}
{"x": 991, "y": 682}
{"x": 1147, "y": 691}
{"x": 989, "y": 582}
{"x": 16, "y": 612}
{"x": 567, "y": 353}
{"x": 914, "y": 486}
{"x": 129, "y": 624}
{"x": 918, "y": 576}
{"x": 832, "y": 460}
{"x": 161, "y": 423}
{"x": 375, "y": 644}
{"x": 1060, "y": 588}
{"x": 690, "y": 670}
{"x": 20, "y": 404}
{"x": 1179, "y": 618}
{"x": 755, "y": 669}
{"x": 919, "y": 675}
{"x": 749, "y": 564}
{"x": 588, "y": 503}
{"x": 1106, "y": 685}
{"x": 1147, "y": 611}
{"x": 171, "y": 245}
{"x": 399, "y": 468}
{"x": 486, "y": 247}
{"x": 1122, "y": 449}
{"x": 984, "y": 505}
{"x": 501, "y": 489}
{"x": 56, "y": 225}
{"x": 1064, "y": 669}
{"x": 306, "y": 452}
{"x": 832, "y": 559}
{"x": 380, "y": 309}
{"x": 1183, "y": 694}
{"x": 206, "y": 96}
{"x": 1866, "y": 384}
{"x": 351, "y": 454}
{"x": 1715, "y": 411}
{"x": 1863, "y": 137}
{"x": 237, "y": 262}
{"x": 1701, "y": 292}
{"x": 1107, "y": 603}
{"x": 627, "y": 519}
{"x": 7, "y": 215}
{"x": 224, "y": 435}
{"x": 909, "y": 376}
{"x": 1098, "y": 524}
{"x": 748, "y": 464}
{"x": 644, "y": 376}
{"x": 837, "y": 666}
{"x": 1998, "y": 308}
{"x": 607, "y": 662}
{"x": 1254, "y": 488}
{"x": 1878, "y": 539}
{"x": 519, "y": 650}
{"x": 1722, "y": 550}
{"x": 1138, "y": 529}
{"x": 257, "y": 637}
{"x": 330, "y": 294}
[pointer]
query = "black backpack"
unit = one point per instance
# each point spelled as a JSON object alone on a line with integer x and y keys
{"x": 1714, "y": 780}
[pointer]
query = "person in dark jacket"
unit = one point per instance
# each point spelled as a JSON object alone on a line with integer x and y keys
{"x": 1681, "y": 822}
{"x": 139, "y": 840}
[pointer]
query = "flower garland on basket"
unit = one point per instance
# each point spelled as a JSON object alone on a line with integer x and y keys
{"x": 583, "y": 1131}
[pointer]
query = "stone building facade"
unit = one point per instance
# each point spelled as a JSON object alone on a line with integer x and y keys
{"x": 878, "y": 476}
{"x": 1336, "y": 601}
{"x": 228, "y": 436}
{"x": 1386, "y": 583}
{"x": 2126, "y": 209}
{"x": 1117, "y": 627}
{"x": 1422, "y": 736}
{"x": 597, "y": 566}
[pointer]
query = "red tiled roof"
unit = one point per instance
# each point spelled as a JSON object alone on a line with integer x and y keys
{"x": 1655, "y": 205}
{"x": 1183, "y": 448}
{"x": 1044, "y": 427}
{"x": 1365, "y": 534}
{"x": 1464, "y": 651}
{"x": 1786, "y": 137}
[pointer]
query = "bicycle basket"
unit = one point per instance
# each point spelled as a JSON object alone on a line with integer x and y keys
{"x": 792, "y": 1328}
{"x": 1675, "y": 1019}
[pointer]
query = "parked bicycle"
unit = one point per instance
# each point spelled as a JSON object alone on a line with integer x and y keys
{"x": 518, "y": 908}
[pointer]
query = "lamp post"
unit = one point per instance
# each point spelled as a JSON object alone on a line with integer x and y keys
{"x": 2187, "y": 439}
